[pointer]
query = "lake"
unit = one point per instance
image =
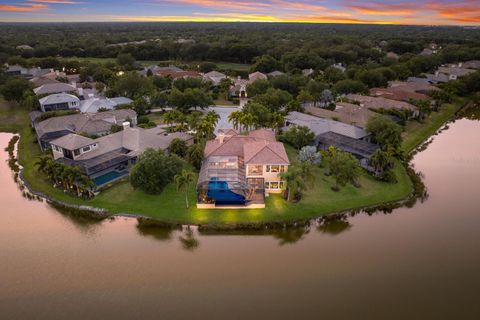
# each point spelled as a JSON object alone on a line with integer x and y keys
{"x": 414, "y": 263}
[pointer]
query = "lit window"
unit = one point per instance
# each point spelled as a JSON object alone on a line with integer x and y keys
{"x": 274, "y": 185}
{"x": 267, "y": 185}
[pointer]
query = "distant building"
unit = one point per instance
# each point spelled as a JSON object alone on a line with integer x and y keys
{"x": 392, "y": 56}
{"x": 214, "y": 77}
{"x": 252, "y": 77}
{"x": 309, "y": 72}
{"x": 275, "y": 73}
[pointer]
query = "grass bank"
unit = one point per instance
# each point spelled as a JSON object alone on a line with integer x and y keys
{"x": 416, "y": 132}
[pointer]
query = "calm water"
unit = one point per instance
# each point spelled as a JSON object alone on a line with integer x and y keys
{"x": 418, "y": 263}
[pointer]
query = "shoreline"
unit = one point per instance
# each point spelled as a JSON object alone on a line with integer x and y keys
{"x": 97, "y": 213}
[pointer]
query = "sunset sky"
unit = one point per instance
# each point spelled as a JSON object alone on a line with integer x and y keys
{"x": 425, "y": 12}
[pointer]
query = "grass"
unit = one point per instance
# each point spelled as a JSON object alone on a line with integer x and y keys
{"x": 223, "y": 102}
{"x": 156, "y": 117}
{"x": 170, "y": 206}
{"x": 416, "y": 132}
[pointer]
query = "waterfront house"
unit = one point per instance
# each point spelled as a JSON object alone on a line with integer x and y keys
{"x": 59, "y": 101}
{"x": 348, "y": 113}
{"x": 238, "y": 170}
{"x": 108, "y": 158}
{"x": 92, "y": 124}
{"x": 346, "y": 137}
{"x": 379, "y": 104}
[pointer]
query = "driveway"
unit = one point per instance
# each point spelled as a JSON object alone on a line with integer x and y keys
{"x": 223, "y": 112}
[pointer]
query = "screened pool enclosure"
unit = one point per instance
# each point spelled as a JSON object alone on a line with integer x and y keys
{"x": 222, "y": 181}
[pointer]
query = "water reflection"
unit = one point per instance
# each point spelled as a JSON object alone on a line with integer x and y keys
{"x": 84, "y": 222}
{"x": 188, "y": 240}
{"x": 334, "y": 226}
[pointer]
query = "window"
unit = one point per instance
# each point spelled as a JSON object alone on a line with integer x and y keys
{"x": 76, "y": 152}
{"x": 86, "y": 149}
{"x": 255, "y": 170}
{"x": 275, "y": 168}
{"x": 274, "y": 185}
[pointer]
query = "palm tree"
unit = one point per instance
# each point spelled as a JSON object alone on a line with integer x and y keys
{"x": 85, "y": 184}
{"x": 234, "y": 118}
{"x": 212, "y": 117}
{"x": 247, "y": 120}
{"x": 205, "y": 129}
{"x": 183, "y": 181}
{"x": 193, "y": 120}
{"x": 42, "y": 163}
{"x": 294, "y": 182}
{"x": 380, "y": 160}
{"x": 169, "y": 118}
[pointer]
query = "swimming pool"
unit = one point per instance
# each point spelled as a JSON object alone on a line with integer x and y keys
{"x": 109, "y": 177}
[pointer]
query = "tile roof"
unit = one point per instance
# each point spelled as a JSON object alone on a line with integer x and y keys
{"x": 381, "y": 103}
{"x": 258, "y": 147}
{"x": 90, "y": 123}
{"x": 321, "y": 125}
{"x": 58, "y": 98}
{"x": 50, "y": 88}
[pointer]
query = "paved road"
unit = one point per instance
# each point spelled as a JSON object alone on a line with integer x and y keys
{"x": 223, "y": 112}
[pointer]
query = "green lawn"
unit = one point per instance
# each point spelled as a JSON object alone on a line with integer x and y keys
{"x": 170, "y": 205}
{"x": 223, "y": 102}
{"x": 156, "y": 117}
{"x": 416, "y": 132}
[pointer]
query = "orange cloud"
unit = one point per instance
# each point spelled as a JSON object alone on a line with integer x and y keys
{"x": 24, "y": 8}
{"x": 235, "y": 5}
{"x": 464, "y": 11}
{"x": 383, "y": 9}
{"x": 55, "y": 1}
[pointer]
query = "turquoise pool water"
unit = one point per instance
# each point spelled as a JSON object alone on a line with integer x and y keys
{"x": 109, "y": 177}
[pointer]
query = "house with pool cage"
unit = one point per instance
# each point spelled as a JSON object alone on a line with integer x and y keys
{"x": 238, "y": 171}
{"x": 108, "y": 158}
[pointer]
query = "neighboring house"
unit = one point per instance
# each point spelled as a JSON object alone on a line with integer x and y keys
{"x": 156, "y": 70}
{"x": 378, "y": 104}
{"x": 348, "y": 113}
{"x": 214, "y": 77}
{"x": 108, "y": 158}
{"x": 252, "y": 77}
{"x": 93, "y": 124}
{"x": 92, "y": 105}
{"x": 27, "y": 73}
{"x": 339, "y": 135}
{"x": 392, "y": 56}
{"x": 397, "y": 93}
{"x": 361, "y": 149}
{"x": 309, "y": 72}
{"x": 275, "y": 73}
{"x": 321, "y": 125}
{"x": 238, "y": 170}
{"x": 40, "y": 81}
{"x": 427, "y": 52}
{"x": 449, "y": 73}
{"x": 59, "y": 101}
{"x": 24, "y": 47}
{"x": 51, "y": 88}
{"x": 473, "y": 64}
{"x": 239, "y": 88}
{"x": 340, "y": 66}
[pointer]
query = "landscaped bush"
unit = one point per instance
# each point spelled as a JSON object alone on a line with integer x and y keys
{"x": 154, "y": 170}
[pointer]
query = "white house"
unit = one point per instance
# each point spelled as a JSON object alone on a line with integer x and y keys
{"x": 59, "y": 101}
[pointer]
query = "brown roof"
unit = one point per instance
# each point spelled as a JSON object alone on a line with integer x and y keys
{"x": 398, "y": 93}
{"x": 377, "y": 103}
{"x": 345, "y": 112}
{"x": 258, "y": 147}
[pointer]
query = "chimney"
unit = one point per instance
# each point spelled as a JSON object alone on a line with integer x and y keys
{"x": 126, "y": 125}
{"x": 221, "y": 137}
